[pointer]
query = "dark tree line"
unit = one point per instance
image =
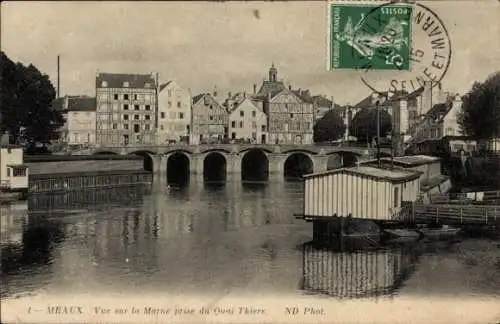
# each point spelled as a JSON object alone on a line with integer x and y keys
{"x": 480, "y": 113}
{"x": 363, "y": 126}
{"x": 26, "y": 97}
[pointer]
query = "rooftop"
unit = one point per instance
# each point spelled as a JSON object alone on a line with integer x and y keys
{"x": 81, "y": 104}
{"x": 373, "y": 172}
{"x": 117, "y": 80}
{"x": 413, "y": 160}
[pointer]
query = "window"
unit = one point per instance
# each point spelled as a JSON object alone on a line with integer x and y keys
{"x": 137, "y": 128}
{"x": 9, "y": 150}
{"x": 135, "y": 96}
{"x": 254, "y": 125}
{"x": 125, "y": 97}
{"x": 178, "y": 104}
{"x": 8, "y": 172}
{"x": 136, "y": 117}
{"x": 161, "y": 127}
{"x": 162, "y": 114}
{"x": 169, "y": 104}
{"x": 125, "y": 117}
{"x": 136, "y": 107}
{"x": 19, "y": 172}
{"x": 170, "y": 93}
{"x": 147, "y": 85}
{"x": 115, "y": 126}
{"x": 241, "y": 124}
{"x": 181, "y": 115}
{"x": 125, "y": 126}
{"x": 148, "y": 107}
{"x": 147, "y": 117}
{"x": 211, "y": 117}
{"x": 116, "y": 96}
{"x": 211, "y": 107}
{"x": 104, "y": 84}
{"x": 291, "y": 116}
{"x": 126, "y": 84}
{"x": 396, "y": 196}
{"x": 254, "y": 135}
{"x": 147, "y": 127}
{"x": 242, "y": 113}
{"x": 263, "y": 128}
{"x": 233, "y": 124}
{"x": 125, "y": 107}
{"x": 254, "y": 113}
{"x": 233, "y": 135}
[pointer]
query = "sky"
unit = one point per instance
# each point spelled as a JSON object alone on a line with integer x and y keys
{"x": 227, "y": 45}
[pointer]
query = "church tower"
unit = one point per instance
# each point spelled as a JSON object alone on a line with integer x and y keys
{"x": 273, "y": 74}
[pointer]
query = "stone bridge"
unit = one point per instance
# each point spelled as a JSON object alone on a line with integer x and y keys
{"x": 248, "y": 161}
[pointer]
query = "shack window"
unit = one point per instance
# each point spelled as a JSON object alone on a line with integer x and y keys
{"x": 396, "y": 196}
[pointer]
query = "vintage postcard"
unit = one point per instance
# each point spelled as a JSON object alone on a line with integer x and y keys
{"x": 250, "y": 162}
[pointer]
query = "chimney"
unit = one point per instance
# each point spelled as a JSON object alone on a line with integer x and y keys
{"x": 244, "y": 95}
{"x": 58, "y": 76}
{"x": 254, "y": 88}
{"x": 290, "y": 87}
{"x": 229, "y": 95}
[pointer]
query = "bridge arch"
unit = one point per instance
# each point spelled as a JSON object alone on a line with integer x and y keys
{"x": 214, "y": 167}
{"x": 297, "y": 164}
{"x": 148, "y": 163}
{"x": 178, "y": 168}
{"x": 105, "y": 153}
{"x": 254, "y": 165}
{"x": 341, "y": 159}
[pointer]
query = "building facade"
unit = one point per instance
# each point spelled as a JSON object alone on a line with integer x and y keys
{"x": 80, "y": 125}
{"x": 209, "y": 120}
{"x": 13, "y": 173}
{"x": 126, "y": 109}
{"x": 174, "y": 113}
{"x": 290, "y": 114}
{"x": 248, "y": 122}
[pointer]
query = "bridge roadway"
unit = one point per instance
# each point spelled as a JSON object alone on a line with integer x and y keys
{"x": 322, "y": 157}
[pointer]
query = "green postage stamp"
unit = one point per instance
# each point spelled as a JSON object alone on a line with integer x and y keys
{"x": 370, "y": 36}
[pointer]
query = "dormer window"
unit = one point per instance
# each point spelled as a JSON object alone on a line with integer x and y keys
{"x": 104, "y": 84}
{"x": 147, "y": 85}
{"x": 126, "y": 84}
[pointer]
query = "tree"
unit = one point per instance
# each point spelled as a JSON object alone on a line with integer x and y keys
{"x": 364, "y": 124}
{"x": 27, "y": 97}
{"x": 329, "y": 128}
{"x": 480, "y": 112}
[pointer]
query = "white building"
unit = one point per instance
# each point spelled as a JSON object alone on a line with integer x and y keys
{"x": 13, "y": 173}
{"x": 248, "y": 122}
{"x": 174, "y": 113}
{"x": 80, "y": 115}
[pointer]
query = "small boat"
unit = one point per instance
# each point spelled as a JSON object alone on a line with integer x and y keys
{"x": 402, "y": 233}
{"x": 443, "y": 231}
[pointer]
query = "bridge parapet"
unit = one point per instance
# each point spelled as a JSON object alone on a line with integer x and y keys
{"x": 239, "y": 148}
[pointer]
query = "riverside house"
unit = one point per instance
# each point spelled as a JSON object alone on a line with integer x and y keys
{"x": 13, "y": 172}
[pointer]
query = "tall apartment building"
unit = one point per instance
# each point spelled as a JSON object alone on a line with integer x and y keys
{"x": 174, "y": 113}
{"x": 126, "y": 109}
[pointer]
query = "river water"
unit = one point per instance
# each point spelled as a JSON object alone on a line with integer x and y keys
{"x": 229, "y": 239}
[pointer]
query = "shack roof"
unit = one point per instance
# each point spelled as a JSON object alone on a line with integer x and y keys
{"x": 393, "y": 175}
{"x": 413, "y": 160}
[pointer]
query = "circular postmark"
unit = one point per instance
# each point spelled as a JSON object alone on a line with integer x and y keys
{"x": 400, "y": 46}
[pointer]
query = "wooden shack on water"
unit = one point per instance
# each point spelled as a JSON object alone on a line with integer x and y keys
{"x": 361, "y": 192}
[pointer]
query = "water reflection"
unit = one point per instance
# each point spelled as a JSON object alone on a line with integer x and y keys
{"x": 350, "y": 271}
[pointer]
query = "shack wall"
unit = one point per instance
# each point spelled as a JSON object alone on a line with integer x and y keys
{"x": 345, "y": 194}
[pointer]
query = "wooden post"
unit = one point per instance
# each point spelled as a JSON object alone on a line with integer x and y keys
{"x": 486, "y": 214}
{"x": 437, "y": 214}
{"x": 461, "y": 214}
